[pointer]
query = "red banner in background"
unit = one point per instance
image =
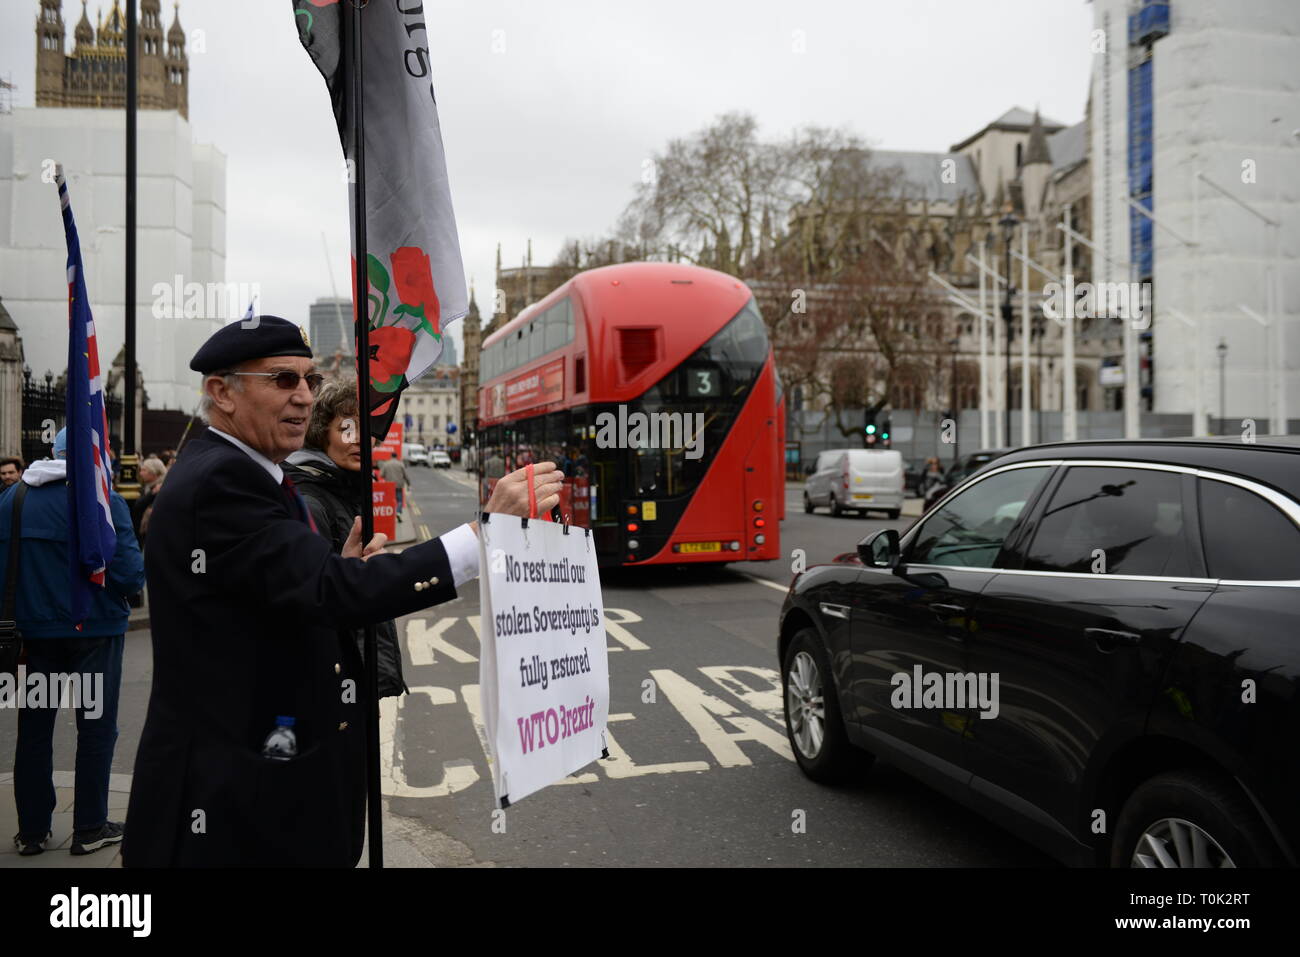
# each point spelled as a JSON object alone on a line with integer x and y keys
{"x": 391, "y": 447}
{"x": 384, "y": 497}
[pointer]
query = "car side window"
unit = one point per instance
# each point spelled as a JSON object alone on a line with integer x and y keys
{"x": 1114, "y": 521}
{"x": 971, "y": 528}
{"x": 1245, "y": 537}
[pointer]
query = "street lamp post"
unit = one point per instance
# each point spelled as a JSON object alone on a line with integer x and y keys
{"x": 1222, "y": 350}
{"x": 1040, "y": 333}
{"x": 956, "y": 409}
{"x": 1008, "y": 224}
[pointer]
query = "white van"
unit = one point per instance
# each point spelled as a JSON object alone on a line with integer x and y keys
{"x": 859, "y": 479}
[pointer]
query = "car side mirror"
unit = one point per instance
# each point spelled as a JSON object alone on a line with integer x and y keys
{"x": 880, "y": 550}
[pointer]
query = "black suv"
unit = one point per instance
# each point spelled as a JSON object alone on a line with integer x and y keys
{"x": 1095, "y": 644}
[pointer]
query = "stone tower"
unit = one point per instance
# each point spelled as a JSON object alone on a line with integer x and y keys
{"x": 49, "y": 52}
{"x": 472, "y": 338}
{"x": 1035, "y": 170}
{"x": 177, "y": 67}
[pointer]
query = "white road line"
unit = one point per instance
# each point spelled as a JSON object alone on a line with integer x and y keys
{"x": 422, "y": 641}
{"x": 614, "y": 629}
{"x": 763, "y": 581}
{"x": 456, "y": 775}
{"x": 766, "y": 701}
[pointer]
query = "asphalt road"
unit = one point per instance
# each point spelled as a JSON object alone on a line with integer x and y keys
{"x": 702, "y": 773}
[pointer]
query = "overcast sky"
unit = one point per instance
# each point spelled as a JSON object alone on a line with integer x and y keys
{"x": 546, "y": 138}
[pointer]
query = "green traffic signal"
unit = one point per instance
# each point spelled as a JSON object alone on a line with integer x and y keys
{"x": 871, "y": 430}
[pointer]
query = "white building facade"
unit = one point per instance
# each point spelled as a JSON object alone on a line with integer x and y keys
{"x": 1196, "y": 118}
{"x": 431, "y": 404}
{"x": 181, "y": 295}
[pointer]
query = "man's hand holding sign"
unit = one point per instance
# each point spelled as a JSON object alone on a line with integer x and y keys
{"x": 512, "y": 494}
{"x": 544, "y": 672}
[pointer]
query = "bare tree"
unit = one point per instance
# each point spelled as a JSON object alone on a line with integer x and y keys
{"x": 819, "y": 231}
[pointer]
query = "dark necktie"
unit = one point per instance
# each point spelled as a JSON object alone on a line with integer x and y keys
{"x": 297, "y": 503}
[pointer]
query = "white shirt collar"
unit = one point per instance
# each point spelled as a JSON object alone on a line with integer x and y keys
{"x": 272, "y": 469}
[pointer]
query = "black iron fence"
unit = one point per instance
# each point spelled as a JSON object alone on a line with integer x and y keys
{"x": 44, "y": 413}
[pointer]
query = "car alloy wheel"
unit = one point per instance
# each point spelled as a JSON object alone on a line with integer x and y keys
{"x": 805, "y": 705}
{"x": 1174, "y": 842}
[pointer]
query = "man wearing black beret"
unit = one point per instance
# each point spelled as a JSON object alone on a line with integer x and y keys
{"x": 246, "y": 606}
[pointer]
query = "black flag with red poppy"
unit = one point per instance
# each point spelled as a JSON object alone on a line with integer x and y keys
{"x": 416, "y": 276}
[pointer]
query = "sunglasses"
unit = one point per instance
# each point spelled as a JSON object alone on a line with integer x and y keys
{"x": 288, "y": 380}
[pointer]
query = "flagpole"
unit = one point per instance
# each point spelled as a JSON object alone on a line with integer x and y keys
{"x": 356, "y": 102}
{"x": 127, "y": 454}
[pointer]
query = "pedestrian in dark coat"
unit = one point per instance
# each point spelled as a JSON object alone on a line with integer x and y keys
{"x": 327, "y": 470}
{"x": 246, "y": 602}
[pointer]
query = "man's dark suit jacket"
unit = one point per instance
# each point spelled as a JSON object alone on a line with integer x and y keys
{"x": 246, "y": 604}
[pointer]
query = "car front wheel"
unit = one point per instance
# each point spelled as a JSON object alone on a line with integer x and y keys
{"x": 812, "y": 712}
{"x": 1190, "y": 819}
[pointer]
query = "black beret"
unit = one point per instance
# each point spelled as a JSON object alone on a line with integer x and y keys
{"x": 255, "y": 338}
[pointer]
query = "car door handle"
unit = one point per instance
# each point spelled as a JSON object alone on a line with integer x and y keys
{"x": 944, "y": 612}
{"x": 835, "y": 611}
{"x": 1107, "y": 639}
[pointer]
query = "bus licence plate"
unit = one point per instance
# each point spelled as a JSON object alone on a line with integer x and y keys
{"x": 701, "y": 546}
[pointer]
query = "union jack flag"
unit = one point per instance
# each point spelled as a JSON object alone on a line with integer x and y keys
{"x": 92, "y": 539}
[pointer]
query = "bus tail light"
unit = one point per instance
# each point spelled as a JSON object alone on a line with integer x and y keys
{"x": 759, "y": 539}
{"x": 759, "y": 523}
{"x": 633, "y": 544}
{"x": 758, "y": 505}
{"x": 734, "y": 546}
{"x": 632, "y": 526}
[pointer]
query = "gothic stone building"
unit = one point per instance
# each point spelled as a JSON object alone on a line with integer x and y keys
{"x": 94, "y": 73}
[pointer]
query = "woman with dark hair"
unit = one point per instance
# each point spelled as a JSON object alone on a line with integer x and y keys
{"x": 327, "y": 470}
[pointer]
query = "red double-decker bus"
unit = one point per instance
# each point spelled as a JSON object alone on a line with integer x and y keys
{"x": 653, "y": 386}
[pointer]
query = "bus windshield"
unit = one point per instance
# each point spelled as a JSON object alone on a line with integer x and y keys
{"x": 694, "y": 406}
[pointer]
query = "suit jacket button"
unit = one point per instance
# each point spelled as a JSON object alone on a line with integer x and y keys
{"x": 337, "y": 669}
{"x": 419, "y": 586}
{"x": 432, "y": 582}
{"x": 343, "y": 725}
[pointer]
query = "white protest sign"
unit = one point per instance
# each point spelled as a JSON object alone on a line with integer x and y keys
{"x": 544, "y": 669}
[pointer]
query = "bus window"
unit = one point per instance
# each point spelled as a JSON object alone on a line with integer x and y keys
{"x": 555, "y": 326}
{"x": 692, "y": 407}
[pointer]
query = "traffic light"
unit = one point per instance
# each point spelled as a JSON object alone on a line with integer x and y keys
{"x": 869, "y": 431}
{"x": 884, "y": 434}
